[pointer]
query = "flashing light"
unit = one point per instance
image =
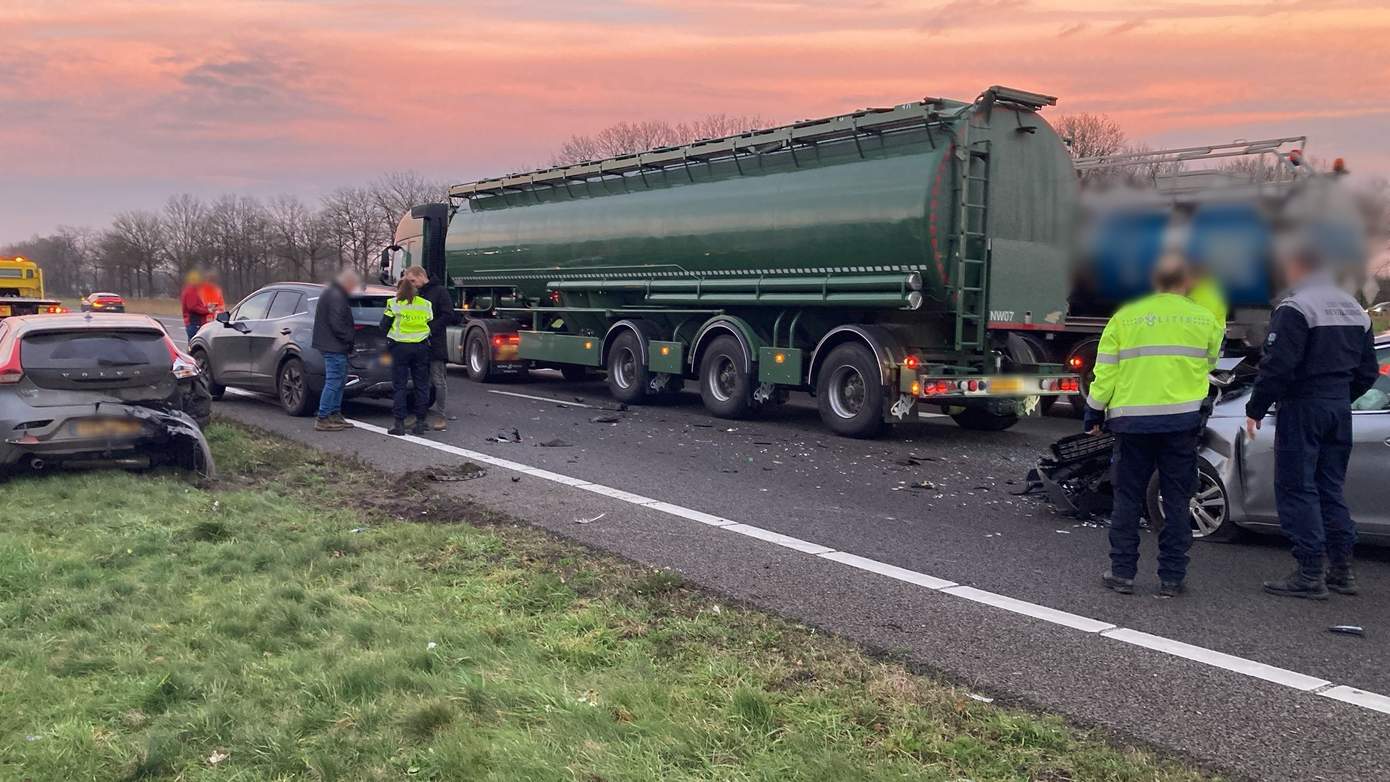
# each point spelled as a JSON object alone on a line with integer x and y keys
{"x": 588, "y": 345}
{"x": 916, "y": 388}
{"x": 1339, "y": 166}
{"x": 1076, "y": 362}
{"x": 780, "y": 358}
{"x": 1385, "y": 369}
{"x": 912, "y": 362}
{"x": 665, "y": 350}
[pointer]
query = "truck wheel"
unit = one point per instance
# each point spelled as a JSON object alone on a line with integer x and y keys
{"x": 725, "y": 385}
{"x": 848, "y": 392}
{"x": 981, "y": 420}
{"x": 205, "y": 369}
{"x": 628, "y": 378}
{"x": 477, "y": 354}
{"x": 297, "y": 398}
{"x": 575, "y": 373}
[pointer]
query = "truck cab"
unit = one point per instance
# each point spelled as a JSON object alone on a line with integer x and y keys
{"x": 21, "y": 289}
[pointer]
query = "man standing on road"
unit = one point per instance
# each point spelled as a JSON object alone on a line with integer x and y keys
{"x": 1151, "y": 380}
{"x": 444, "y": 316}
{"x": 195, "y": 310}
{"x": 1319, "y": 357}
{"x": 333, "y": 337}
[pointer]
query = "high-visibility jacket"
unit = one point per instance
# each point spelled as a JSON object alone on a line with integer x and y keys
{"x": 1207, "y": 292}
{"x": 1152, "y": 365}
{"x": 409, "y": 320}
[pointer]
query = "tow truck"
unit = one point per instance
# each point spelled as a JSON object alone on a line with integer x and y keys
{"x": 21, "y": 289}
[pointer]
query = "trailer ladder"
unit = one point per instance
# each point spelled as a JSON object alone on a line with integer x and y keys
{"x": 970, "y": 275}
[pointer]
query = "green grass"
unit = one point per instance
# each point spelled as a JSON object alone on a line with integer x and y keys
{"x": 151, "y": 629}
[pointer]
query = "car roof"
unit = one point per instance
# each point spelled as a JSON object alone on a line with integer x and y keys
{"x": 81, "y": 320}
{"x": 314, "y": 287}
{"x": 103, "y": 293}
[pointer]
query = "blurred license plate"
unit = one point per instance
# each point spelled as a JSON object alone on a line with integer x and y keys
{"x": 386, "y": 359}
{"x": 5, "y": 310}
{"x": 1006, "y": 385}
{"x": 107, "y": 427}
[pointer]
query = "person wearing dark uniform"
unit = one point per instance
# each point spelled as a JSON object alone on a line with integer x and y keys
{"x": 1319, "y": 357}
{"x": 1151, "y": 381}
{"x": 406, "y": 321}
{"x": 444, "y": 316}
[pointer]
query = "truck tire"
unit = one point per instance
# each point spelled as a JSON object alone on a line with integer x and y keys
{"x": 725, "y": 385}
{"x": 848, "y": 392}
{"x": 205, "y": 368}
{"x": 297, "y": 397}
{"x": 981, "y": 420}
{"x": 477, "y": 356}
{"x": 628, "y": 378}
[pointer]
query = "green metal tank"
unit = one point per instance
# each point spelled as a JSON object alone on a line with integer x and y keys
{"x": 881, "y": 193}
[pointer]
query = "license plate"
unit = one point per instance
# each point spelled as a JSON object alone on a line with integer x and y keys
{"x": 1006, "y": 385}
{"x": 5, "y": 311}
{"x": 107, "y": 427}
{"x": 386, "y": 359}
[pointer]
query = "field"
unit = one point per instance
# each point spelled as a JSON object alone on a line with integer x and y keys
{"x": 306, "y": 618}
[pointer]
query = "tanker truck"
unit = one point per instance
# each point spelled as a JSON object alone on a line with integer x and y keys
{"x": 883, "y": 261}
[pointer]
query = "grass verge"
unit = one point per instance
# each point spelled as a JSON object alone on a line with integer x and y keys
{"x": 300, "y": 620}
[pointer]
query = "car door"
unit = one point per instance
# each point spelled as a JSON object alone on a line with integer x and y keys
{"x": 268, "y": 336}
{"x": 1368, "y": 474}
{"x": 231, "y": 344}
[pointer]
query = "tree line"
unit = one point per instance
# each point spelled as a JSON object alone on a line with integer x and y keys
{"x": 248, "y": 241}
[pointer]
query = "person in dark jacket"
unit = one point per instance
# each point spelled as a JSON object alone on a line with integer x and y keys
{"x": 444, "y": 316}
{"x": 333, "y": 336}
{"x": 1319, "y": 357}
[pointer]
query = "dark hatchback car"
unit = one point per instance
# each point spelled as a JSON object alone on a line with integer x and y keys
{"x": 263, "y": 344}
{"x": 99, "y": 390}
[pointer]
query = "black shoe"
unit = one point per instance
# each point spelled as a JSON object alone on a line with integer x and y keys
{"x": 1124, "y": 586}
{"x": 1303, "y": 582}
{"x": 420, "y": 428}
{"x": 1171, "y": 589}
{"x": 398, "y": 428}
{"x": 1341, "y": 579}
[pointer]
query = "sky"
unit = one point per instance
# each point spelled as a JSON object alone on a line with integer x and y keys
{"x": 109, "y": 105}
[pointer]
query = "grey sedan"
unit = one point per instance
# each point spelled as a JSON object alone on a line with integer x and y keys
{"x": 1236, "y": 482}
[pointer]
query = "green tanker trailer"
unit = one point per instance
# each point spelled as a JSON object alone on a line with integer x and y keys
{"x": 881, "y": 260}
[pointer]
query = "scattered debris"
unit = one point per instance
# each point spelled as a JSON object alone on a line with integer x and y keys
{"x": 516, "y": 479}
{"x": 590, "y": 521}
{"x": 556, "y": 443}
{"x": 461, "y": 472}
{"x": 605, "y": 419}
{"x": 1063, "y": 532}
{"x": 431, "y": 646}
{"x": 1356, "y": 630}
{"x": 981, "y": 698}
{"x": 504, "y": 437}
{"x": 216, "y": 757}
{"x": 357, "y": 530}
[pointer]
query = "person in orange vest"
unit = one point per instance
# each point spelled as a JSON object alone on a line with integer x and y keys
{"x": 195, "y": 310}
{"x": 211, "y": 294}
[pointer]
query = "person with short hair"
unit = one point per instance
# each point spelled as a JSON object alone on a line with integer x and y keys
{"x": 334, "y": 333}
{"x": 406, "y": 322}
{"x": 1151, "y": 380}
{"x": 444, "y": 316}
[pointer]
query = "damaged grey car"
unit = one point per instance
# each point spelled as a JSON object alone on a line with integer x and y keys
{"x": 99, "y": 390}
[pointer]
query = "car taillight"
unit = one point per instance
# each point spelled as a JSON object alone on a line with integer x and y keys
{"x": 11, "y": 371}
{"x": 184, "y": 365}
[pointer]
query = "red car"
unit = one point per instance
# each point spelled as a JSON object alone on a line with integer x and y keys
{"x": 103, "y": 302}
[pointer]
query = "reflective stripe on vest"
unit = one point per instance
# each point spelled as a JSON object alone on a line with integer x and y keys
{"x": 410, "y": 320}
{"x": 1183, "y": 351}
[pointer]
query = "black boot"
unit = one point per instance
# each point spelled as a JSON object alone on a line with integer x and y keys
{"x": 1341, "y": 579}
{"x": 1305, "y": 581}
{"x": 1124, "y": 586}
{"x": 397, "y": 428}
{"x": 420, "y": 428}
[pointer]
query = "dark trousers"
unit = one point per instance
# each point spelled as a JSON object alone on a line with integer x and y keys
{"x": 410, "y": 363}
{"x": 1174, "y": 454}
{"x": 1312, "y": 445}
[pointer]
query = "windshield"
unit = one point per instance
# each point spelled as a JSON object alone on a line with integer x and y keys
{"x": 87, "y": 350}
{"x": 367, "y": 309}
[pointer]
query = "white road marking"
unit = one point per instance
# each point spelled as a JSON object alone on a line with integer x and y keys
{"x": 1198, "y": 654}
{"x": 543, "y": 399}
{"x": 1217, "y": 659}
{"x": 1369, "y": 700}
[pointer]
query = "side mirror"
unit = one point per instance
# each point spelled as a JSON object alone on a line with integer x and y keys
{"x": 224, "y": 317}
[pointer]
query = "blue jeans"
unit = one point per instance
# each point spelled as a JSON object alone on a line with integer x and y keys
{"x": 190, "y": 329}
{"x": 334, "y": 375}
{"x": 1136, "y": 456}
{"x": 1312, "y": 445}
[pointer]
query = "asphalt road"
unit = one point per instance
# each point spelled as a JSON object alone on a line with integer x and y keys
{"x": 782, "y": 473}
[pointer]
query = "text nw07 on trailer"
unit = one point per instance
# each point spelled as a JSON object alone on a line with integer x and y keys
{"x": 881, "y": 260}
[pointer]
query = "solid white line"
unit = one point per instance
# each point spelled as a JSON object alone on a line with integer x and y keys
{"x": 542, "y": 399}
{"x": 885, "y": 569}
{"x": 1075, "y": 622}
{"x": 1369, "y": 700}
{"x": 1211, "y": 657}
{"x": 1216, "y": 659}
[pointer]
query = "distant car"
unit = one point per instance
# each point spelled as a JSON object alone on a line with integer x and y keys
{"x": 263, "y": 344}
{"x": 1236, "y": 476}
{"x": 89, "y": 391}
{"x": 103, "y": 302}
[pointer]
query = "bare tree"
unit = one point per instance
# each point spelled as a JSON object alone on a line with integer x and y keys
{"x": 357, "y": 233}
{"x": 68, "y": 258}
{"x": 625, "y": 138}
{"x": 1090, "y": 135}
{"x": 186, "y": 232}
{"x": 296, "y": 240}
{"x": 137, "y": 243}
{"x": 396, "y": 192}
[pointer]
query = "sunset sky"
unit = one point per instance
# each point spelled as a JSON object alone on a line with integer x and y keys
{"x": 117, "y": 104}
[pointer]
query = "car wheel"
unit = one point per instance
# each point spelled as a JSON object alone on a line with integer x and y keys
{"x": 197, "y": 402}
{"x": 297, "y": 398}
{"x": 205, "y": 369}
{"x": 725, "y": 386}
{"x": 1210, "y": 514}
{"x": 848, "y": 392}
{"x": 628, "y": 378}
{"x": 477, "y": 355}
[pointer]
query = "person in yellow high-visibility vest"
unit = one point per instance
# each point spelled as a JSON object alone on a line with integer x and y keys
{"x": 1150, "y": 382}
{"x": 406, "y": 322}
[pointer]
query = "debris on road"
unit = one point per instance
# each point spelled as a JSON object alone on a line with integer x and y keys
{"x": 1355, "y": 630}
{"x": 556, "y": 443}
{"x": 605, "y": 419}
{"x": 461, "y": 472}
{"x": 590, "y": 521}
{"x": 505, "y": 437}
{"x": 981, "y": 698}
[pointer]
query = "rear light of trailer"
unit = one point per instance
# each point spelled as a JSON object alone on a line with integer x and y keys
{"x": 506, "y": 339}
{"x": 912, "y": 362}
{"x": 1076, "y": 362}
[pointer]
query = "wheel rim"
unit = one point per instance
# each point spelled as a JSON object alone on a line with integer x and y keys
{"x": 723, "y": 378}
{"x": 1207, "y": 508}
{"x": 475, "y": 357}
{"x": 847, "y": 392}
{"x": 624, "y": 368}
{"x": 291, "y": 385}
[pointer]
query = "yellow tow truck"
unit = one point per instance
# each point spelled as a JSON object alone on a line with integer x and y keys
{"x": 21, "y": 289}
